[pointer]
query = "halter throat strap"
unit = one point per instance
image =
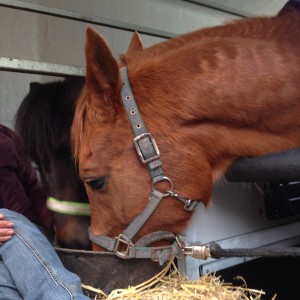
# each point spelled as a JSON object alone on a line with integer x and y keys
{"x": 149, "y": 155}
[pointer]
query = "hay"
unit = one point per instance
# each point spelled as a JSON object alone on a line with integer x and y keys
{"x": 169, "y": 284}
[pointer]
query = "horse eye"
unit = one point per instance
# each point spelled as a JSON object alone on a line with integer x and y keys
{"x": 97, "y": 183}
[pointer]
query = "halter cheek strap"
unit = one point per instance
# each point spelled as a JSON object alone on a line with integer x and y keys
{"x": 144, "y": 143}
{"x": 149, "y": 155}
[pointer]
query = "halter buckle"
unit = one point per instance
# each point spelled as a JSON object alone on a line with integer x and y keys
{"x": 143, "y": 136}
{"x": 119, "y": 242}
{"x": 190, "y": 205}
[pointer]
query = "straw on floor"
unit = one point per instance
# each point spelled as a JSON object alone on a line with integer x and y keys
{"x": 169, "y": 284}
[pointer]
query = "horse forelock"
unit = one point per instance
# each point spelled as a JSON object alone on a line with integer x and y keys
{"x": 78, "y": 124}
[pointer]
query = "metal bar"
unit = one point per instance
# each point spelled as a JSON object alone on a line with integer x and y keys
{"x": 220, "y": 7}
{"x": 42, "y": 68}
{"x": 55, "y": 12}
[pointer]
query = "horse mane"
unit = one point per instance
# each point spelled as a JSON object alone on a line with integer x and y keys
{"x": 47, "y": 111}
{"x": 251, "y": 28}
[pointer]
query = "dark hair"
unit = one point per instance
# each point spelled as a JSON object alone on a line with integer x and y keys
{"x": 47, "y": 110}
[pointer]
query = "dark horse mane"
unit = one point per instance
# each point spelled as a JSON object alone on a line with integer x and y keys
{"x": 52, "y": 119}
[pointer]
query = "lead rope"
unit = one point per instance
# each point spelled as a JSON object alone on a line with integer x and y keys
{"x": 214, "y": 250}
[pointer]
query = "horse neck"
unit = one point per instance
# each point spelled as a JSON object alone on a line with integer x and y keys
{"x": 255, "y": 28}
{"x": 190, "y": 91}
{"x": 201, "y": 82}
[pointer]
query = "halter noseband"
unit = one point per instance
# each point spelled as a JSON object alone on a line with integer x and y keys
{"x": 148, "y": 152}
{"x": 61, "y": 206}
{"x": 68, "y": 207}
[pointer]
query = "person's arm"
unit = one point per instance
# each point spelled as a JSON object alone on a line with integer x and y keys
{"x": 21, "y": 191}
{"x": 6, "y": 229}
{"x": 36, "y": 193}
{"x": 12, "y": 192}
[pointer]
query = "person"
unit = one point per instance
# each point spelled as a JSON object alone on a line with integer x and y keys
{"x": 29, "y": 266}
{"x": 20, "y": 188}
{"x": 30, "y": 269}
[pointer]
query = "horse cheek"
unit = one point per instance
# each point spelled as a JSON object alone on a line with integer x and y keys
{"x": 134, "y": 185}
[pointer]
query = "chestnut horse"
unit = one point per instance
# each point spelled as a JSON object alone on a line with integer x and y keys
{"x": 208, "y": 98}
{"x": 43, "y": 122}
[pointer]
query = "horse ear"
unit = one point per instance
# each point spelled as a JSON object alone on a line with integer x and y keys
{"x": 102, "y": 71}
{"x": 288, "y": 6}
{"x": 136, "y": 43}
{"x": 33, "y": 86}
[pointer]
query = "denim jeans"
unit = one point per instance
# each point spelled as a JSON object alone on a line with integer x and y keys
{"x": 30, "y": 268}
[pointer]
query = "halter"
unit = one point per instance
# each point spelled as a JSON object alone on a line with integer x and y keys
{"x": 69, "y": 207}
{"x": 62, "y": 206}
{"x": 149, "y": 155}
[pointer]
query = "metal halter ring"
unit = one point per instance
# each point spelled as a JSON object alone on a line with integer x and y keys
{"x": 164, "y": 178}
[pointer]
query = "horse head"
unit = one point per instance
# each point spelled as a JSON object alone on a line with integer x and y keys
{"x": 117, "y": 183}
{"x": 43, "y": 122}
{"x": 204, "y": 101}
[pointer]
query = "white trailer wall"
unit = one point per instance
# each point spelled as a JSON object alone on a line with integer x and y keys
{"x": 36, "y": 37}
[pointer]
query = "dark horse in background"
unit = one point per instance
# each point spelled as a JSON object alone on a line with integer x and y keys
{"x": 43, "y": 122}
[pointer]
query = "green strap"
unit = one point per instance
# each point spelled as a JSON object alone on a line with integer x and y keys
{"x": 69, "y": 207}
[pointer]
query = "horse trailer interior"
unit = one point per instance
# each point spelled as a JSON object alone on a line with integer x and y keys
{"x": 43, "y": 40}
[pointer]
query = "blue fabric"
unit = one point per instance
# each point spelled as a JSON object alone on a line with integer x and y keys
{"x": 30, "y": 269}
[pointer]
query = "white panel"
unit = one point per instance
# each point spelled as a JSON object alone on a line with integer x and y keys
{"x": 14, "y": 87}
{"x": 286, "y": 235}
{"x": 170, "y": 15}
{"x": 236, "y": 212}
{"x": 31, "y": 36}
{"x": 247, "y": 8}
